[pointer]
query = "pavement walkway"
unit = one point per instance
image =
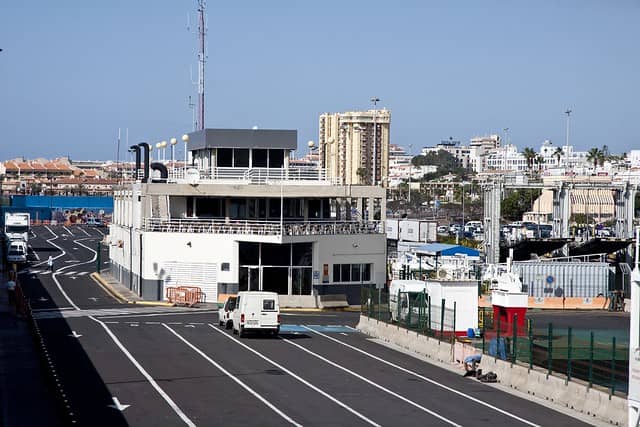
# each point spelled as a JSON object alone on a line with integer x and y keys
{"x": 25, "y": 398}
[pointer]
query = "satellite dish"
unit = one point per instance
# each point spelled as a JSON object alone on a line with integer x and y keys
{"x": 192, "y": 176}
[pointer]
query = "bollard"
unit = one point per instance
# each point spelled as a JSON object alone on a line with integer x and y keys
{"x": 442, "y": 319}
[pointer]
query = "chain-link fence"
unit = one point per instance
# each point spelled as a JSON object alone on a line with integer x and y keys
{"x": 411, "y": 310}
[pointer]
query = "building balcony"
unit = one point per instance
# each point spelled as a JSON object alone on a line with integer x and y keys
{"x": 259, "y": 176}
{"x": 261, "y": 228}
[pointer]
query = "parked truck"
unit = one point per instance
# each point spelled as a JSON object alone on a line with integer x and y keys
{"x": 17, "y": 226}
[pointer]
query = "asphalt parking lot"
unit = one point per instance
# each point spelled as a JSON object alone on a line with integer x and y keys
{"x": 122, "y": 365}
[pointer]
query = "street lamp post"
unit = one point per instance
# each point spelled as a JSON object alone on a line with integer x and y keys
{"x": 410, "y": 170}
{"x": 185, "y": 139}
{"x": 173, "y": 142}
{"x": 375, "y": 141}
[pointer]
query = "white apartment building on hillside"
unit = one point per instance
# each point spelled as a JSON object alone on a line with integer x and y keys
{"x": 241, "y": 218}
{"x": 353, "y": 147}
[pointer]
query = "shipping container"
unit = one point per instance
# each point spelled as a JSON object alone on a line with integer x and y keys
{"x": 568, "y": 279}
{"x": 391, "y": 228}
{"x": 410, "y": 231}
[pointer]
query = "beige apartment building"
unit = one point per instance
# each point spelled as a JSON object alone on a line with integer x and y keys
{"x": 354, "y": 146}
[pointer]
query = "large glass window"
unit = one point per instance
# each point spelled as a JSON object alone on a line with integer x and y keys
{"x": 275, "y": 279}
{"x": 351, "y": 273}
{"x": 302, "y": 254}
{"x": 225, "y": 157}
{"x": 259, "y": 158}
{"x": 301, "y": 281}
{"x": 276, "y": 158}
{"x": 241, "y": 157}
{"x": 274, "y": 208}
{"x": 209, "y": 207}
{"x": 238, "y": 209}
{"x": 273, "y": 254}
{"x": 249, "y": 253}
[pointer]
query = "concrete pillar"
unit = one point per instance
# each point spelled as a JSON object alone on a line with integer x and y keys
{"x": 360, "y": 208}
{"x": 305, "y": 209}
{"x": 383, "y": 209}
{"x": 369, "y": 209}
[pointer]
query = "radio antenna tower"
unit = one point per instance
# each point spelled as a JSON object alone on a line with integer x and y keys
{"x": 201, "y": 61}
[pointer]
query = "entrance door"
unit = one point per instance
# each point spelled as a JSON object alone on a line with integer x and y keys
{"x": 249, "y": 279}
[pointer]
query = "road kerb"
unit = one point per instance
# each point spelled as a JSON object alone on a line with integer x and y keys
{"x": 108, "y": 288}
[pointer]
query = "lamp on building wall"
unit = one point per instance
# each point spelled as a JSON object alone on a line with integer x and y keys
{"x": 185, "y": 139}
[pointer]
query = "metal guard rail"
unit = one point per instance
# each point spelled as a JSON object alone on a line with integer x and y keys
{"x": 269, "y": 228}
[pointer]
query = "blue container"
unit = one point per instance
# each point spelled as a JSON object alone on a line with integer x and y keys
{"x": 471, "y": 333}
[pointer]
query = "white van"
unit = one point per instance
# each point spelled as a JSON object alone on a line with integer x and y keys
{"x": 405, "y": 289}
{"x": 17, "y": 251}
{"x": 256, "y": 311}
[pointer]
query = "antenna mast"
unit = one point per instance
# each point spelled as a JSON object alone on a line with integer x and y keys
{"x": 201, "y": 61}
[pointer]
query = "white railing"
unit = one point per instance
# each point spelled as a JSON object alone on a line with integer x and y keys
{"x": 254, "y": 175}
{"x": 265, "y": 228}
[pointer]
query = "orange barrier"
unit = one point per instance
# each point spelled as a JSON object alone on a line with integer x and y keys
{"x": 184, "y": 295}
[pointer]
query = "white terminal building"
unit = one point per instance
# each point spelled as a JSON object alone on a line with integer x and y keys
{"x": 240, "y": 218}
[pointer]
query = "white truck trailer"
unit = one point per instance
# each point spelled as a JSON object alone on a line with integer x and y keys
{"x": 17, "y": 226}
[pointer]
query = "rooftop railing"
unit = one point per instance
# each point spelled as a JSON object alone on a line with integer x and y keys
{"x": 306, "y": 176}
{"x": 265, "y": 228}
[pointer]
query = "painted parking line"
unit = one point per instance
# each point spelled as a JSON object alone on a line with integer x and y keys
{"x": 429, "y": 380}
{"x": 374, "y": 384}
{"x": 286, "y": 328}
{"x": 234, "y": 378}
{"x": 295, "y": 376}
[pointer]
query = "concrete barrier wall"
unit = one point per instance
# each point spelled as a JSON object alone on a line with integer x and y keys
{"x": 574, "y": 395}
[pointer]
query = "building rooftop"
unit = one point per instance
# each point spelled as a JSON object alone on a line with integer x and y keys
{"x": 243, "y": 138}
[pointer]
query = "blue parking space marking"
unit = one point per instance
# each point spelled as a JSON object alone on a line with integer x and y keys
{"x": 319, "y": 328}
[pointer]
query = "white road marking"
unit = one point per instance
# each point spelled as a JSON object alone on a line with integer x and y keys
{"x": 75, "y": 334}
{"x": 35, "y": 253}
{"x": 117, "y": 405}
{"x": 45, "y": 272}
{"x": 69, "y": 231}
{"x": 44, "y": 310}
{"x": 82, "y": 273}
{"x": 70, "y": 273}
{"x": 235, "y": 379}
{"x": 84, "y": 231}
{"x": 376, "y": 385}
{"x": 293, "y": 375}
{"x": 429, "y": 380}
{"x": 189, "y": 326}
{"x": 111, "y": 322}
{"x": 149, "y": 378}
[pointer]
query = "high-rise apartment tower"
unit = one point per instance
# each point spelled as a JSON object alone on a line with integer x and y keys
{"x": 354, "y": 146}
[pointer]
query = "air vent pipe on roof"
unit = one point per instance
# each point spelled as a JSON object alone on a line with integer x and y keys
{"x": 136, "y": 149}
{"x": 164, "y": 173}
{"x": 145, "y": 148}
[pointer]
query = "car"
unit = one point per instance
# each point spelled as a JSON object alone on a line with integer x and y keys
{"x": 443, "y": 229}
{"x": 224, "y": 313}
{"x": 94, "y": 222}
{"x": 256, "y": 311}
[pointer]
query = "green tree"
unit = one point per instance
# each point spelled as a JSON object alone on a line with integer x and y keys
{"x": 517, "y": 203}
{"x": 363, "y": 174}
{"x": 594, "y": 156}
{"x": 558, "y": 154}
{"x": 529, "y": 155}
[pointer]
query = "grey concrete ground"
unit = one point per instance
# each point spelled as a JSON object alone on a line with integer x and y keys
{"x": 124, "y": 365}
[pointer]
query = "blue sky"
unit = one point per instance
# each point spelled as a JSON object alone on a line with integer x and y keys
{"x": 72, "y": 72}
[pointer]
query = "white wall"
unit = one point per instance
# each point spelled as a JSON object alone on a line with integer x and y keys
{"x": 351, "y": 249}
{"x": 465, "y": 295}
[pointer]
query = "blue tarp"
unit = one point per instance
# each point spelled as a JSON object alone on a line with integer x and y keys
{"x": 63, "y": 202}
{"x": 443, "y": 249}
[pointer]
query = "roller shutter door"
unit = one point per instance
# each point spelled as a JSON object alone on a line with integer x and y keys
{"x": 200, "y": 274}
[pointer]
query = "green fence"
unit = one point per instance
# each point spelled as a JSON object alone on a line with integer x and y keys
{"x": 411, "y": 310}
{"x": 594, "y": 358}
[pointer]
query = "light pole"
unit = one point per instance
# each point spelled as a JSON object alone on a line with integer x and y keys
{"x": 375, "y": 141}
{"x": 173, "y": 142}
{"x": 185, "y": 139}
{"x": 410, "y": 170}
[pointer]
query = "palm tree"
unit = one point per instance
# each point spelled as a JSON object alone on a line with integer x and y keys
{"x": 529, "y": 155}
{"x": 594, "y": 156}
{"x": 540, "y": 160}
{"x": 558, "y": 154}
